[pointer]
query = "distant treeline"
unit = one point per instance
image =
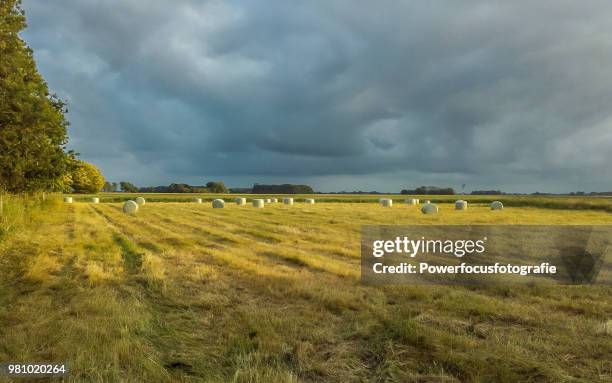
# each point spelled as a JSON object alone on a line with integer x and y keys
{"x": 487, "y": 192}
{"x": 592, "y": 193}
{"x": 282, "y": 189}
{"x": 429, "y": 190}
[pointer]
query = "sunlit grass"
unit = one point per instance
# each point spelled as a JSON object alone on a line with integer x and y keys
{"x": 184, "y": 292}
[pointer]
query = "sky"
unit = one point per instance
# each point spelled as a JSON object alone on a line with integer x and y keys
{"x": 341, "y": 95}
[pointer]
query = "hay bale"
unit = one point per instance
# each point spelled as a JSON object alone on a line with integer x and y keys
{"x": 240, "y": 201}
{"x": 268, "y": 200}
{"x": 461, "y": 205}
{"x": 428, "y": 201}
{"x": 218, "y": 203}
{"x": 140, "y": 201}
{"x": 497, "y": 205}
{"x": 130, "y": 207}
{"x": 309, "y": 201}
{"x": 288, "y": 201}
{"x": 197, "y": 200}
{"x": 386, "y": 202}
{"x": 95, "y": 200}
{"x": 411, "y": 201}
{"x": 417, "y": 201}
{"x": 68, "y": 199}
{"x": 258, "y": 203}
{"x": 429, "y": 208}
{"x": 274, "y": 200}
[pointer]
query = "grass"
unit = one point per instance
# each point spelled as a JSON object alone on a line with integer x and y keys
{"x": 544, "y": 202}
{"x": 186, "y": 293}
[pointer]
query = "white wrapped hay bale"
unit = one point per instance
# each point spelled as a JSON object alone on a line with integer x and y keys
{"x": 240, "y": 201}
{"x": 268, "y": 200}
{"x": 130, "y": 207}
{"x": 497, "y": 205}
{"x": 218, "y": 203}
{"x": 197, "y": 200}
{"x": 429, "y": 208}
{"x": 288, "y": 201}
{"x": 411, "y": 201}
{"x": 140, "y": 201}
{"x": 417, "y": 201}
{"x": 428, "y": 201}
{"x": 68, "y": 199}
{"x": 309, "y": 201}
{"x": 95, "y": 200}
{"x": 461, "y": 205}
{"x": 274, "y": 200}
{"x": 258, "y": 203}
{"x": 386, "y": 202}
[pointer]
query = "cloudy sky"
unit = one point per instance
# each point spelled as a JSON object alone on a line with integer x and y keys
{"x": 342, "y": 95}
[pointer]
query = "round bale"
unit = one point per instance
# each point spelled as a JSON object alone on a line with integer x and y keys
{"x": 288, "y": 201}
{"x": 258, "y": 203}
{"x": 95, "y": 200}
{"x": 68, "y": 199}
{"x": 197, "y": 200}
{"x": 240, "y": 201}
{"x": 386, "y": 202}
{"x": 429, "y": 209}
{"x": 309, "y": 201}
{"x": 428, "y": 201}
{"x": 140, "y": 201}
{"x": 497, "y": 205}
{"x": 411, "y": 201}
{"x": 218, "y": 203}
{"x": 130, "y": 207}
{"x": 461, "y": 205}
{"x": 268, "y": 200}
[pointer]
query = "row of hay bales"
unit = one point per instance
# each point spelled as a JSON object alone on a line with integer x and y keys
{"x": 430, "y": 208}
{"x": 132, "y": 206}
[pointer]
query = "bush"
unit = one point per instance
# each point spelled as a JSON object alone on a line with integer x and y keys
{"x": 86, "y": 178}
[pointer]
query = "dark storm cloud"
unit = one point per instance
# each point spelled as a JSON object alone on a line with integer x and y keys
{"x": 343, "y": 94}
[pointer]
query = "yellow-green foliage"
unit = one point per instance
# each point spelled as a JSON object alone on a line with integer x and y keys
{"x": 86, "y": 178}
{"x": 184, "y": 292}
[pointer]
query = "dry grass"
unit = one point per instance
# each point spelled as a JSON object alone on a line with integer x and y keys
{"x": 184, "y": 292}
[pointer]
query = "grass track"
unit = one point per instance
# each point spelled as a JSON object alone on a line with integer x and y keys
{"x": 184, "y": 292}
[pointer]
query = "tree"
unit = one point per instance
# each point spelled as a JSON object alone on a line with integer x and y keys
{"x": 32, "y": 123}
{"x": 282, "y": 189}
{"x": 115, "y": 187}
{"x": 128, "y": 187}
{"x": 216, "y": 187}
{"x": 108, "y": 187}
{"x": 86, "y": 178}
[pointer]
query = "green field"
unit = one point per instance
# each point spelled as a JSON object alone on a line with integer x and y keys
{"x": 181, "y": 292}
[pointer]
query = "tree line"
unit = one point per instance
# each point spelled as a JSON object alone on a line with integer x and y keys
{"x": 33, "y": 124}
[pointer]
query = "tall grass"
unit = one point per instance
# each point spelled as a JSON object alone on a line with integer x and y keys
{"x": 21, "y": 211}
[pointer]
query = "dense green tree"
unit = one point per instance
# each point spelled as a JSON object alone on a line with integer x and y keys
{"x": 32, "y": 123}
{"x": 128, "y": 187}
{"x": 86, "y": 178}
{"x": 216, "y": 187}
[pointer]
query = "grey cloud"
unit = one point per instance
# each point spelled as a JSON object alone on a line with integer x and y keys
{"x": 508, "y": 95}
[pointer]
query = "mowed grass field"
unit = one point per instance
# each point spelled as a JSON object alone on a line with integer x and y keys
{"x": 181, "y": 292}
